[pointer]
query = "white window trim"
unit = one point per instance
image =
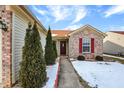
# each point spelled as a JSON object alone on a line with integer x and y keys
{"x": 89, "y": 45}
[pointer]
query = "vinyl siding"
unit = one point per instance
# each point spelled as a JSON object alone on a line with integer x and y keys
{"x": 113, "y": 43}
{"x": 19, "y": 30}
{"x": 20, "y": 24}
{"x": 43, "y": 41}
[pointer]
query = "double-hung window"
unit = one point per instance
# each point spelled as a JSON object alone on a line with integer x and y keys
{"x": 86, "y": 45}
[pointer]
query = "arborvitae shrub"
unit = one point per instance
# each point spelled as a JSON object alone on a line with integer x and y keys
{"x": 33, "y": 67}
{"x": 54, "y": 47}
{"x": 49, "y": 51}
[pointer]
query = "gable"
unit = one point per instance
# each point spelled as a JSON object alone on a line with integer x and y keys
{"x": 87, "y": 28}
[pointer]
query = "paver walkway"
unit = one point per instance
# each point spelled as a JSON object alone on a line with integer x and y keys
{"x": 67, "y": 76}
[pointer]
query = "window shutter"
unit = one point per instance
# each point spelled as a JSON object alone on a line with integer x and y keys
{"x": 80, "y": 45}
{"x": 92, "y": 45}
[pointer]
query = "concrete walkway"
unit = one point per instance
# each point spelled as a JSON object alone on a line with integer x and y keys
{"x": 67, "y": 76}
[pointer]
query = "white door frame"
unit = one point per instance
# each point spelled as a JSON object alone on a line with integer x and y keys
{"x": 0, "y": 56}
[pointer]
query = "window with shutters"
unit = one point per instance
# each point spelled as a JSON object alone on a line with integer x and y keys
{"x": 86, "y": 45}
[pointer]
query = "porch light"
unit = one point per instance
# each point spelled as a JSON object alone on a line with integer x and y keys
{"x": 3, "y": 25}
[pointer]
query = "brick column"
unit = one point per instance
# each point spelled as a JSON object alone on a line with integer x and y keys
{"x": 7, "y": 49}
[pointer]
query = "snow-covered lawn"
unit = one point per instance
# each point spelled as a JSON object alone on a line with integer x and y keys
{"x": 52, "y": 72}
{"x": 101, "y": 74}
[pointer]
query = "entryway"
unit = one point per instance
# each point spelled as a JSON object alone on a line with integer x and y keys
{"x": 0, "y": 56}
{"x": 62, "y": 47}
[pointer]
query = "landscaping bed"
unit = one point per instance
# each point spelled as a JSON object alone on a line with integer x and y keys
{"x": 100, "y": 74}
{"x": 52, "y": 74}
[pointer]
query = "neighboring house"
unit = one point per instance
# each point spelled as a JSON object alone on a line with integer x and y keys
{"x": 114, "y": 42}
{"x": 87, "y": 41}
{"x": 12, "y": 41}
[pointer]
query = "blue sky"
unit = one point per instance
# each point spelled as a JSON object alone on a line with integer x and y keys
{"x": 103, "y": 17}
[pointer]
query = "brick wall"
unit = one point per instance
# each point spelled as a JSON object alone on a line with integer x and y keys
{"x": 74, "y": 43}
{"x": 2, "y": 7}
{"x": 6, "y": 47}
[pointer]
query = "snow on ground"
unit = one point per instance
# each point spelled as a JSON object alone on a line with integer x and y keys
{"x": 51, "y": 74}
{"x": 101, "y": 74}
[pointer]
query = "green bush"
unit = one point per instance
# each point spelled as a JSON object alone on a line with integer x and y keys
{"x": 33, "y": 67}
{"x": 81, "y": 57}
{"x": 54, "y": 48}
{"x": 99, "y": 58}
{"x": 49, "y": 51}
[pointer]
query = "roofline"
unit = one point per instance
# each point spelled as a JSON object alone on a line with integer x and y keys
{"x": 116, "y": 32}
{"x": 33, "y": 16}
{"x": 57, "y": 37}
{"x": 62, "y": 30}
{"x": 87, "y": 25}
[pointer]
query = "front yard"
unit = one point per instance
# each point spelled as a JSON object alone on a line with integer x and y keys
{"x": 100, "y": 74}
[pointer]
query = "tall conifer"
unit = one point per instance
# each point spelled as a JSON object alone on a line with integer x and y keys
{"x": 49, "y": 51}
{"x": 33, "y": 67}
{"x": 54, "y": 47}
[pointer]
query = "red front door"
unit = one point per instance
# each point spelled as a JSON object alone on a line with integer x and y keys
{"x": 63, "y": 47}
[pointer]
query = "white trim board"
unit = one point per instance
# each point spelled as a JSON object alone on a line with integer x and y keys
{"x": 0, "y": 56}
{"x": 13, "y": 74}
